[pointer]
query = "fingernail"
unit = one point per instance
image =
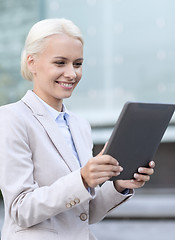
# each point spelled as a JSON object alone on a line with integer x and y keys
{"x": 152, "y": 163}
{"x": 140, "y": 169}
{"x": 121, "y": 169}
{"x": 135, "y": 175}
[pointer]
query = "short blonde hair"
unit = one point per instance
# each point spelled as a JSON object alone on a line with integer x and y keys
{"x": 39, "y": 32}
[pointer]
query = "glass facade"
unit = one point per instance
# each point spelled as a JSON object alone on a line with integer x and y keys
{"x": 129, "y": 51}
{"x": 16, "y": 18}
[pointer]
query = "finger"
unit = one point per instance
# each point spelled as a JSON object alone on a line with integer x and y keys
{"x": 99, "y": 179}
{"x": 140, "y": 177}
{"x": 106, "y": 168}
{"x": 148, "y": 171}
{"x": 102, "y": 151}
{"x": 106, "y": 159}
{"x": 110, "y": 160}
{"x": 130, "y": 184}
{"x": 97, "y": 175}
{"x": 152, "y": 164}
{"x": 136, "y": 184}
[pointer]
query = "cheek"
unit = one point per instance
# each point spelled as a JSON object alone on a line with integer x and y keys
{"x": 78, "y": 78}
{"x": 54, "y": 72}
{"x": 79, "y": 74}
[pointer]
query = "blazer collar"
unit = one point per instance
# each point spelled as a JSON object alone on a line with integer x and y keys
{"x": 50, "y": 126}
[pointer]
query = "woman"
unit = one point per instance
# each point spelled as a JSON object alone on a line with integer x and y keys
{"x": 48, "y": 177}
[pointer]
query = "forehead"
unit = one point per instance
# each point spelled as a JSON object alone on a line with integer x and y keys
{"x": 63, "y": 45}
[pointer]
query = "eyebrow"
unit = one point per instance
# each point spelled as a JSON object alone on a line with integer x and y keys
{"x": 60, "y": 57}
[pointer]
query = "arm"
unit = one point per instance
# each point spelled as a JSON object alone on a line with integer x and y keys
{"x": 27, "y": 202}
{"x": 105, "y": 201}
{"x": 98, "y": 170}
{"x": 101, "y": 168}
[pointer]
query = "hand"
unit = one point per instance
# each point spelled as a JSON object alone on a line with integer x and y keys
{"x": 139, "y": 180}
{"x": 100, "y": 169}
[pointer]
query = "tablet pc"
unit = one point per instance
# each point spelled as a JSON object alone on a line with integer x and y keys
{"x": 137, "y": 135}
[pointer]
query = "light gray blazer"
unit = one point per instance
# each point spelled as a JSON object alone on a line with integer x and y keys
{"x": 43, "y": 192}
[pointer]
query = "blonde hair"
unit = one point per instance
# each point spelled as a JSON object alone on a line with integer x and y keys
{"x": 37, "y": 35}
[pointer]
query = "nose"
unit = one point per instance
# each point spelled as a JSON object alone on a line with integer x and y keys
{"x": 70, "y": 72}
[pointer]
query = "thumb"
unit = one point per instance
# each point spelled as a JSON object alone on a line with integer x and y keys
{"x": 102, "y": 151}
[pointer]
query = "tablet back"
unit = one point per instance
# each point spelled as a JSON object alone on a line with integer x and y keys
{"x": 137, "y": 135}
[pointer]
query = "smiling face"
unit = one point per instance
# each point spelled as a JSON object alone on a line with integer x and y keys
{"x": 57, "y": 69}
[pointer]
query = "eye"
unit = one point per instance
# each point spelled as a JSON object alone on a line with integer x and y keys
{"x": 77, "y": 64}
{"x": 60, "y": 63}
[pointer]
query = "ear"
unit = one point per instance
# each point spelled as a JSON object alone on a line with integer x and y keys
{"x": 31, "y": 60}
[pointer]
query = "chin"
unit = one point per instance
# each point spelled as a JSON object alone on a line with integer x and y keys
{"x": 66, "y": 96}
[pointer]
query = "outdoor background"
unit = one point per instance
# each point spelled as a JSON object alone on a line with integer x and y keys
{"x": 129, "y": 56}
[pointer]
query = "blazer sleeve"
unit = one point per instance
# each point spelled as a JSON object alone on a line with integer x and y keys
{"x": 27, "y": 203}
{"x": 105, "y": 200}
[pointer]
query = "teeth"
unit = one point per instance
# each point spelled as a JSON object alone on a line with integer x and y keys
{"x": 66, "y": 84}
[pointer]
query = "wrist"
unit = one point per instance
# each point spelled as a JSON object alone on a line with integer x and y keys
{"x": 84, "y": 181}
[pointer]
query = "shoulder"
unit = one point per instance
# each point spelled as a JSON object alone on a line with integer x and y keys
{"x": 12, "y": 123}
{"x": 9, "y": 109}
{"x": 13, "y": 113}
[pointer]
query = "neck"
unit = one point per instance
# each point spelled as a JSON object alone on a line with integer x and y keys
{"x": 57, "y": 104}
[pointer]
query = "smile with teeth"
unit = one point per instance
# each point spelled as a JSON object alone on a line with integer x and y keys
{"x": 65, "y": 85}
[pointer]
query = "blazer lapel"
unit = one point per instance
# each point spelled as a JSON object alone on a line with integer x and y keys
{"x": 51, "y": 128}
